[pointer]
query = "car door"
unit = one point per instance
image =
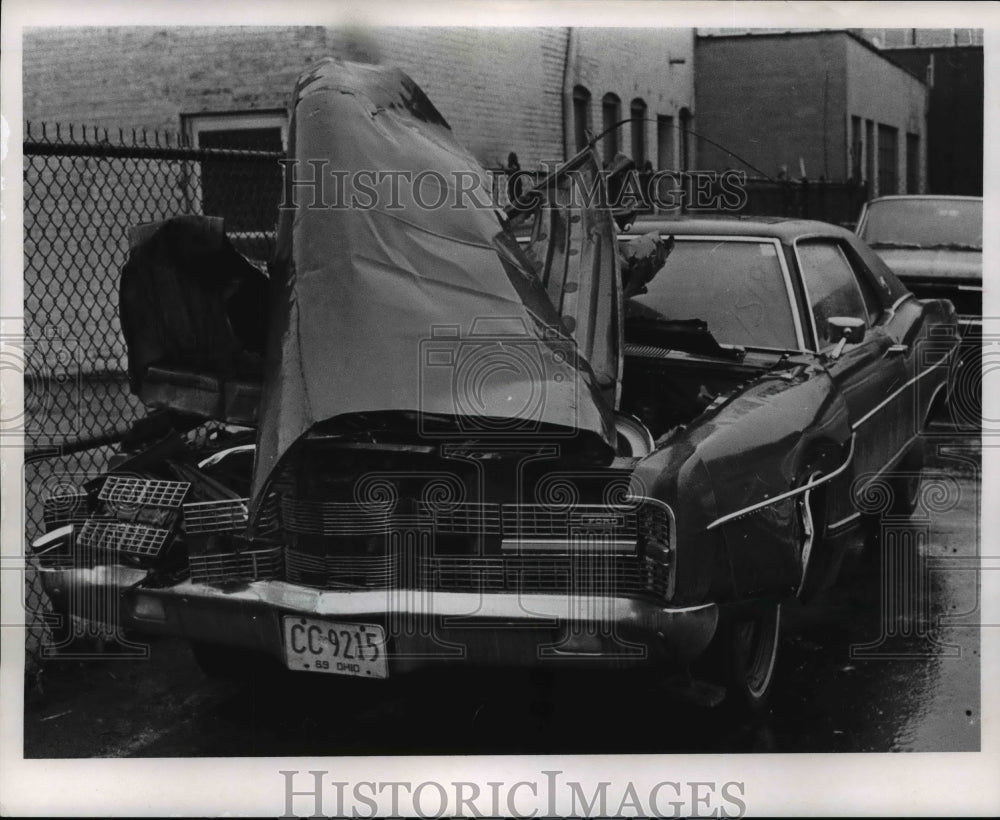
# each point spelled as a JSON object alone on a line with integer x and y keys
{"x": 870, "y": 374}
{"x": 925, "y": 338}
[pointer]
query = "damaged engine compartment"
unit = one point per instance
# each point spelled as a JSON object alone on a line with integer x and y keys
{"x": 666, "y": 392}
{"x": 365, "y": 515}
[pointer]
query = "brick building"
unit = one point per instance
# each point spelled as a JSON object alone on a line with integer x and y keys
{"x": 950, "y": 60}
{"x": 815, "y": 103}
{"x": 954, "y": 76}
{"x": 641, "y": 74}
{"x": 922, "y": 37}
{"x": 502, "y": 90}
{"x": 532, "y": 91}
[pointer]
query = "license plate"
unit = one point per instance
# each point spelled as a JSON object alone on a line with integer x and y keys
{"x": 336, "y": 648}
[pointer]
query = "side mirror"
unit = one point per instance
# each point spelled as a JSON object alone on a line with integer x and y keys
{"x": 846, "y": 329}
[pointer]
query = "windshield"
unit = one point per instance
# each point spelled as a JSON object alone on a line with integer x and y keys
{"x": 925, "y": 223}
{"x": 735, "y": 286}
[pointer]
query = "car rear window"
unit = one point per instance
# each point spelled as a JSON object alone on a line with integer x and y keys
{"x": 924, "y": 223}
{"x": 736, "y": 286}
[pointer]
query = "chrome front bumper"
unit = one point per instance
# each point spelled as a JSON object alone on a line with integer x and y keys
{"x": 423, "y": 628}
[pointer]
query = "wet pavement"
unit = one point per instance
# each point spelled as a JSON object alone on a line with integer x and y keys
{"x": 864, "y": 669}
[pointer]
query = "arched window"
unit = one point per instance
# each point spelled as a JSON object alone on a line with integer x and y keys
{"x": 611, "y": 112}
{"x": 581, "y": 115}
{"x": 638, "y": 114}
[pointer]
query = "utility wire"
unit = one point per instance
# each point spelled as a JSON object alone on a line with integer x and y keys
{"x": 733, "y": 154}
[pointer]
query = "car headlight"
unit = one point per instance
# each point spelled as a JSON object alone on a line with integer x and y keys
{"x": 657, "y": 545}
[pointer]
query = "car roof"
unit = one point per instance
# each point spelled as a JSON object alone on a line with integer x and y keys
{"x": 783, "y": 228}
{"x": 949, "y": 197}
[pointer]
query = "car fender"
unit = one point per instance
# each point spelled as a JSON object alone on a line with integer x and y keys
{"x": 720, "y": 473}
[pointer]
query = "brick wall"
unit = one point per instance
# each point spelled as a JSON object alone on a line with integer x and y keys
{"x": 773, "y": 100}
{"x": 147, "y": 76}
{"x": 499, "y": 89}
{"x": 777, "y": 98}
{"x": 655, "y": 65}
{"x": 887, "y": 95}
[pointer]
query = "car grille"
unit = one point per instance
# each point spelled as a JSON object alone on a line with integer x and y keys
{"x": 128, "y": 492}
{"x": 342, "y": 571}
{"x": 226, "y": 515}
{"x": 113, "y": 536}
{"x": 324, "y": 518}
{"x": 593, "y": 574}
{"x": 582, "y": 574}
{"x": 310, "y": 517}
{"x": 464, "y": 519}
{"x": 236, "y": 565}
{"x": 578, "y": 549}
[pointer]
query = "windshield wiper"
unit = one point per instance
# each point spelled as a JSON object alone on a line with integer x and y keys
{"x": 930, "y": 246}
{"x": 954, "y": 246}
{"x": 777, "y": 351}
{"x": 903, "y": 245}
{"x": 689, "y": 335}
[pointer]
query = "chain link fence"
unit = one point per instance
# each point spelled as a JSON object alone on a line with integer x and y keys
{"x": 83, "y": 190}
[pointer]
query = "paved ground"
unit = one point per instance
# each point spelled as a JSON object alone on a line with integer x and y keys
{"x": 828, "y": 698}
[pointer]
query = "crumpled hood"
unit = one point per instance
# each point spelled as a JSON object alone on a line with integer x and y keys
{"x": 933, "y": 263}
{"x": 383, "y": 307}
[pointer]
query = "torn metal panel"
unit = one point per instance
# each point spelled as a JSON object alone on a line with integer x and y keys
{"x": 193, "y": 316}
{"x": 641, "y": 259}
{"x": 573, "y": 246}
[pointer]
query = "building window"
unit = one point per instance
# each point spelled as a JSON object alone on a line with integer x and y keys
{"x": 870, "y": 156}
{"x": 611, "y": 113}
{"x": 685, "y": 138}
{"x": 245, "y": 194}
{"x": 581, "y": 116}
{"x": 664, "y": 142}
{"x": 638, "y": 114}
{"x": 856, "y": 150}
{"x": 888, "y": 160}
{"x": 912, "y": 164}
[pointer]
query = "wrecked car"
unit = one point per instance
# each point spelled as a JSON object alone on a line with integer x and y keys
{"x": 460, "y": 436}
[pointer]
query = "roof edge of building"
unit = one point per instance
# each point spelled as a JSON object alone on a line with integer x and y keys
{"x": 746, "y": 35}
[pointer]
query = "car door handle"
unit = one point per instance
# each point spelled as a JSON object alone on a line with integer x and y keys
{"x": 897, "y": 350}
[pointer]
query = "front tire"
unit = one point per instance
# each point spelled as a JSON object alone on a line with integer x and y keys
{"x": 743, "y": 657}
{"x": 751, "y": 655}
